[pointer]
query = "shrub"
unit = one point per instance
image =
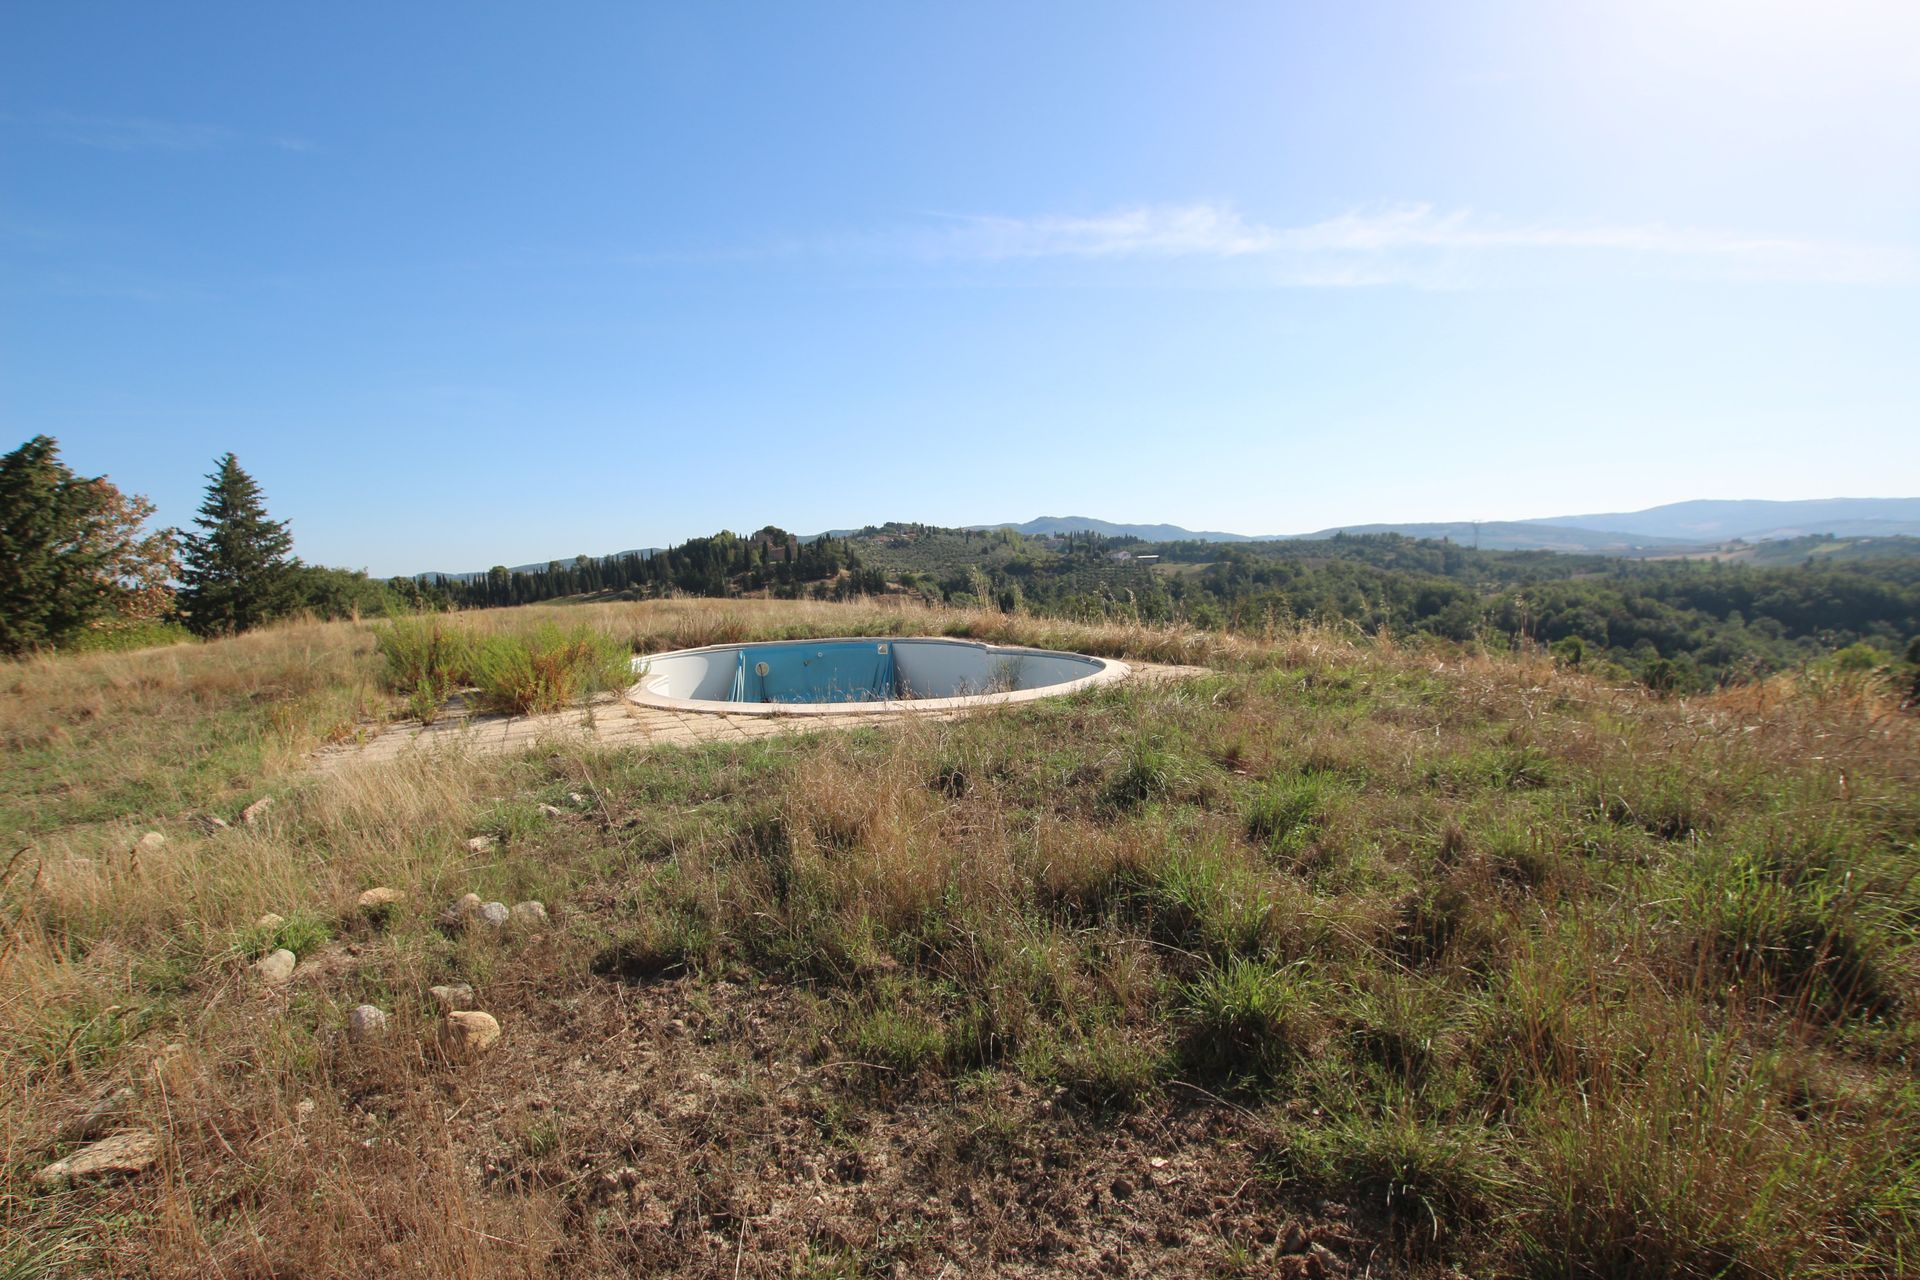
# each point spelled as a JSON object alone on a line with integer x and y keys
{"x": 124, "y": 637}
{"x": 548, "y": 668}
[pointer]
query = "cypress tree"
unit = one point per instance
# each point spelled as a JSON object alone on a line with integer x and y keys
{"x": 237, "y": 572}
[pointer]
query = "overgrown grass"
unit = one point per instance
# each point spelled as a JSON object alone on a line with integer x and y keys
{"x": 549, "y": 667}
{"x": 1541, "y": 977}
{"x": 428, "y": 656}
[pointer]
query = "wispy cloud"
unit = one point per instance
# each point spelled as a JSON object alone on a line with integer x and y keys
{"x": 1159, "y": 231}
{"x": 1413, "y": 243}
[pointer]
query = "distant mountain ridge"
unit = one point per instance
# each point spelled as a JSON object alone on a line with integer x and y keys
{"x": 1757, "y": 519}
{"x": 1701, "y": 522}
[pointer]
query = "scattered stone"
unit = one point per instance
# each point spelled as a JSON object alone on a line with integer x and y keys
{"x": 275, "y": 967}
{"x": 468, "y": 1032}
{"x": 461, "y": 913}
{"x": 453, "y": 997}
{"x": 576, "y": 798}
{"x": 105, "y": 1111}
{"x": 374, "y": 901}
{"x": 366, "y": 1022}
{"x": 269, "y": 921}
{"x": 552, "y": 811}
{"x": 494, "y": 915}
{"x": 255, "y": 812}
{"x": 304, "y": 1108}
{"x": 528, "y": 915}
{"x": 120, "y": 1155}
{"x": 211, "y": 824}
{"x": 481, "y": 844}
{"x": 152, "y": 842}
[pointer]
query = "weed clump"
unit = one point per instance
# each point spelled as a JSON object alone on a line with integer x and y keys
{"x": 1152, "y": 772}
{"x": 1284, "y": 810}
{"x": 1430, "y": 1181}
{"x": 1806, "y": 942}
{"x": 427, "y": 658}
{"x": 548, "y": 668}
{"x": 1247, "y": 1023}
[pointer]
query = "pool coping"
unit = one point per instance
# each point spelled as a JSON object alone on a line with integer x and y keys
{"x": 1110, "y": 670}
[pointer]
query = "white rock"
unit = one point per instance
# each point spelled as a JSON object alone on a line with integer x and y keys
{"x": 152, "y": 842}
{"x": 495, "y": 915}
{"x": 528, "y": 915}
{"x": 453, "y": 997}
{"x": 255, "y": 812}
{"x": 481, "y": 844}
{"x": 552, "y": 811}
{"x": 374, "y": 900}
{"x": 269, "y": 921}
{"x": 118, "y": 1155}
{"x": 576, "y": 797}
{"x": 276, "y": 966}
{"x": 366, "y": 1022}
{"x": 468, "y": 1032}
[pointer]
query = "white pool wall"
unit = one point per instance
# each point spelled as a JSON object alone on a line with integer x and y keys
{"x": 942, "y": 673}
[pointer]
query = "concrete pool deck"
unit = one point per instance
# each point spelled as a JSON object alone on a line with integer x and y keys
{"x": 612, "y": 721}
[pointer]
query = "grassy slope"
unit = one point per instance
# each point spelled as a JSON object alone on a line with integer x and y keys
{"x": 1450, "y": 962}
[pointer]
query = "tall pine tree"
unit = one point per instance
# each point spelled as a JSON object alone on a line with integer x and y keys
{"x": 237, "y": 572}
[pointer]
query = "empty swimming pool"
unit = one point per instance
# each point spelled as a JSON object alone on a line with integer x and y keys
{"x": 828, "y": 677}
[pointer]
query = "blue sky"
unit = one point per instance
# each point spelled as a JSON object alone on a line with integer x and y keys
{"x": 466, "y": 284}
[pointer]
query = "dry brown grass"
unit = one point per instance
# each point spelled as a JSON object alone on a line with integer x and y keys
{"x": 1498, "y": 895}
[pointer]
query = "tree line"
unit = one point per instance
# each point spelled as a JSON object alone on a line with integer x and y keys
{"x": 770, "y": 562}
{"x": 80, "y": 567}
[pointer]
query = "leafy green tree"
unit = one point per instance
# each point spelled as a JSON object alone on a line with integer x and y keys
{"x": 72, "y": 551}
{"x": 237, "y": 572}
{"x": 49, "y": 587}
